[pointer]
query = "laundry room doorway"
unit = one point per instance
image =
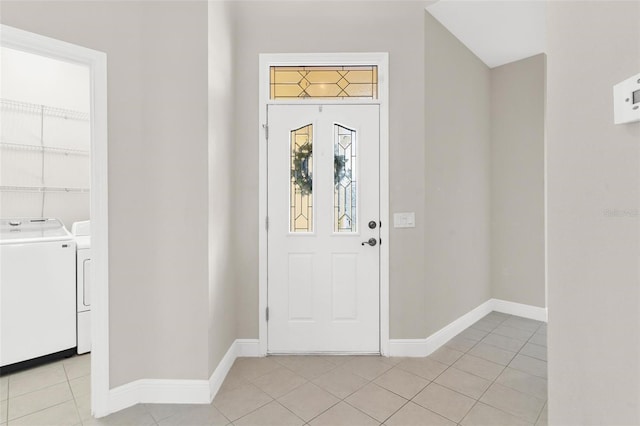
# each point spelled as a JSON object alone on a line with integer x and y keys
{"x": 53, "y": 194}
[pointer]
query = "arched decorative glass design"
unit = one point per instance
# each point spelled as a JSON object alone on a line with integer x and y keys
{"x": 345, "y": 193}
{"x": 301, "y": 188}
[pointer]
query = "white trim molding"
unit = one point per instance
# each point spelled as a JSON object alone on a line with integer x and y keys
{"x": 239, "y": 348}
{"x": 525, "y": 311}
{"x": 203, "y": 391}
{"x": 159, "y": 392}
{"x": 221, "y": 371}
{"x": 248, "y": 348}
{"x": 426, "y": 346}
{"x": 97, "y": 63}
{"x": 381, "y": 60}
{"x": 156, "y": 391}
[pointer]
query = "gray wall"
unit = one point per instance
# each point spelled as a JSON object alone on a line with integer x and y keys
{"x": 593, "y": 171}
{"x": 222, "y": 289}
{"x": 394, "y": 27}
{"x": 157, "y": 106}
{"x": 456, "y": 180}
{"x": 440, "y": 155}
{"x": 172, "y": 299}
{"x": 517, "y": 181}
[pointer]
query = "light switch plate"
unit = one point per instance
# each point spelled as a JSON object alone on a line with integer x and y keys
{"x": 626, "y": 100}
{"x": 404, "y": 220}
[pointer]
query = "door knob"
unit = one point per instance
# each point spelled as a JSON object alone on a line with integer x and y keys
{"x": 372, "y": 242}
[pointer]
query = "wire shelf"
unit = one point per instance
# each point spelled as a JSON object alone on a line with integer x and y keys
{"x": 39, "y": 148}
{"x": 26, "y": 107}
{"x": 9, "y": 188}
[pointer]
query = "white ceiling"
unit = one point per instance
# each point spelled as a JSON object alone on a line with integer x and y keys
{"x": 498, "y": 32}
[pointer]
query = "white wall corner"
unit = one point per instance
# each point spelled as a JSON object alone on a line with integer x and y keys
{"x": 425, "y": 347}
{"x": 221, "y": 371}
{"x": 181, "y": 391}
{"x": 248, "y": 348}
{"x": 526, "y": 311}
{"x": 239, "y": 348}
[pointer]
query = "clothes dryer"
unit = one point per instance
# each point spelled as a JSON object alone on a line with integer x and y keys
{"x": 82, "y": 235}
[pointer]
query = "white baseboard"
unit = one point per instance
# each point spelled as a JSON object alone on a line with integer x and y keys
{"x": 221, "y": 371}
{"x": 426, "y": 346}
{"x": 248, "y": 348}
{"x": 159, "y": 391}
{"x": 526, "y": 311}
{"x": 203, "y": 391}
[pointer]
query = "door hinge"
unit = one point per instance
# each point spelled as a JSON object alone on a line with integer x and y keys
{"x": 267, "y": 313}
{"x": 380, "y": 241}
{"x": 266, "y": 131}
{"x": 266, "y": 223}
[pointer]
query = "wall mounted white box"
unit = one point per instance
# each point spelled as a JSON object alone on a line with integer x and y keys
{"x": 626, "y": 100}
{"x": 404, "y": 220}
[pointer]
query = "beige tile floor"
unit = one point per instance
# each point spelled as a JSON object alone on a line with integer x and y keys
{"x": 493, "y": 373}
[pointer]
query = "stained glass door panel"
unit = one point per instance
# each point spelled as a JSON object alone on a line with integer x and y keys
{"x": 323, "y": 180}
{"x": 345, "y": 192}
{"x": 301, "y": 190}
{"x": 325, "y": 82}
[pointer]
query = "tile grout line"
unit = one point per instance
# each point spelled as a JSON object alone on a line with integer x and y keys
{"x": 37, "y": 411}
{"x": 485, "y": 391}
{"x": 262, "y": 406}
{"x": 335, "y": 366}
{"x": 357, "y": 390}
{"x": 494, "y": 381}
{"x": 8, "y": 396}
{"x": 73, "y": 395}
{"x": 344, "y": 399}
{"x": 394, "y": 413}
{"x": 250, "y": 412}
{"x": 388, "y": 390}
{"x": 453, "y": 390}
{"x": 540, "y": 413}
{"x": 42, "y": 409}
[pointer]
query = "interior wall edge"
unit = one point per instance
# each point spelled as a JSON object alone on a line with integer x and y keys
{"x": 457, "y": 179}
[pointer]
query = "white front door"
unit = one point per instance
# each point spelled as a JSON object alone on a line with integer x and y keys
{"x": 323, "y": 229}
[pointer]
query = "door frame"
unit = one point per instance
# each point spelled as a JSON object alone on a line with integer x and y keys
{"x": 96, "y": 61}
{"x": 381, "y": 60}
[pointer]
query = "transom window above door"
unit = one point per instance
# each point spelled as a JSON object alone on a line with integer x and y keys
{"x": 324, "y": 82}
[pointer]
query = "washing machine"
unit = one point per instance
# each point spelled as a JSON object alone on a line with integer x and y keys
{"x": 82, "y": 235}
{"x": 37, "y": 292}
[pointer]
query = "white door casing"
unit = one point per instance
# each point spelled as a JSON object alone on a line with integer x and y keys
{"x": 25, "y": 41}
{"x": 324, "y": 287}
{"x": 266, "y": 60}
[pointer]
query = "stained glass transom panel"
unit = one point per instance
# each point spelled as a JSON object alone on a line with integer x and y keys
{"x": 324, "y": 82}
{"x": 301, "y": 187}
{"x": 345, "y": 194}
